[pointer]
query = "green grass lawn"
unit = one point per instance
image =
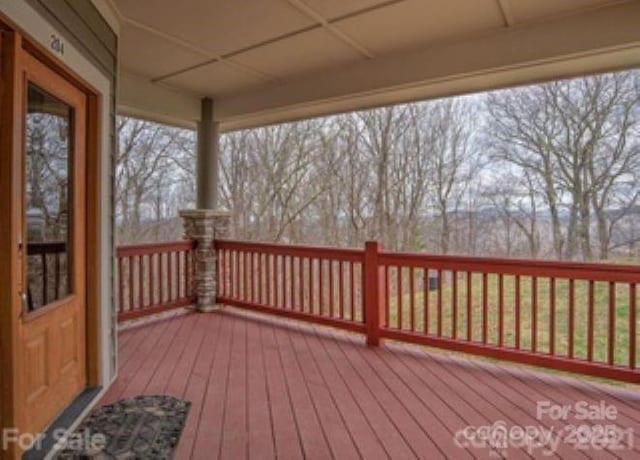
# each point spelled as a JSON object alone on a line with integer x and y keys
{"x": 543, "y": 292}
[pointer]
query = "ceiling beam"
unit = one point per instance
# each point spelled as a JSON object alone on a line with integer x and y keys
{"x": 140, "y": 98}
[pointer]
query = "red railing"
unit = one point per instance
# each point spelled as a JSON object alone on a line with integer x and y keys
{"x": 576, "y": 317}
{"x": 322, "y": 285}
{"x": 153, "y": 278}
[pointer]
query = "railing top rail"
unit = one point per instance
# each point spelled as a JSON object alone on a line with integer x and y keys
{"x": 322, "y": 252}
{"x": 152, "y": 248}
{"x": 523, "y": 267}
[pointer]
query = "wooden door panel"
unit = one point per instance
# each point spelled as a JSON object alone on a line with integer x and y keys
{"x": 52, "y": 326}
{"x": 37, "y": 376}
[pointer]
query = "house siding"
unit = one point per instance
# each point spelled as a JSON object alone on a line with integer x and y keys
{"x": 83, "y": 26}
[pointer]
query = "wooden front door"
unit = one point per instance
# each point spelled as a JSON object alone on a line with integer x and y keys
{"x": 51, "y": 326}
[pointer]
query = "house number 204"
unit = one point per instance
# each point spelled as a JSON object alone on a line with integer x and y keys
{"x": 56, "y": 44}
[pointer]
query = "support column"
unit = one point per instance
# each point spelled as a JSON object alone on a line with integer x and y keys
{"x": 208, "y": 158}
{"x": 206, "y": 223}
{"x": 203, "y": 226}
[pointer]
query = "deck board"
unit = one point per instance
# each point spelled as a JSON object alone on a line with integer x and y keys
{"x": 264, "y": 387}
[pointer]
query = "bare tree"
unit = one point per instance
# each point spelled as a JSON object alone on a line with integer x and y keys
{"x": 575, "y": 137}
{"x": 549, "y": 170}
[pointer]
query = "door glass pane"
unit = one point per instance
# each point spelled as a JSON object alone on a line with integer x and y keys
{"x": 47, "y": 197}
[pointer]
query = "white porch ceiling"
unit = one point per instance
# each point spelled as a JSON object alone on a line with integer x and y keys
{"x": 274, "y": 60}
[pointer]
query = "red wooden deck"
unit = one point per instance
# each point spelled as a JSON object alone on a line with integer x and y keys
{"x": 264, "y": 387}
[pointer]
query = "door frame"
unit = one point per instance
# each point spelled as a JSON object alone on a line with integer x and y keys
{"x": 13, "y": 42}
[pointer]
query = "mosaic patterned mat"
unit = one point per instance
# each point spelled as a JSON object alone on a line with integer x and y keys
{"x": 144, "y": 427}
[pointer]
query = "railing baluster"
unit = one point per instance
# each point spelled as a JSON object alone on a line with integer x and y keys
{"x": 501, "y": 310}
{"x": 412, "y": 300}
{"x": 259, "y": 289}
{"x": 311, "y": 285}
{"x": 184, "y": 270}
{"x": 141, "y": 281}
{"x": 352, "y": 286}
{"x": 300, "y": 284}
{"x": 246, "y": 285}
{"x": 130, "y": 263}
{"x": 331, "y": 293}
{"x": 590, "y": 320}
{"x": 454, "y": 304}
{"x": 238, "y": 278}
{"x": 169, "y": 275}
{"x": 399, "y": 302}
{"x": 439, "y": 295}
{"x": 341, "y": 288}
{"x": 321, "y": 306}
{"x": 248, "y": 267}
{"x": 534, "y": 313}
{"x": 469, "y": 306}
{"x": 237, "y": 257}
{"x": 255, "y": 274}
{"x": 517, "y": 308}
{"x": 176, "y": 274}
{"x": 230, "y": 274}
{"x": 187, "y": 273}
{"x": 552, "y": 319}
{"x": 258, "y": 272}
{"x": 268, "y": 278}
{"x": 221, "y": 288}
{"x": 283, "y": 280}
{"x": 425, "y": 299}
{"x": 292, "y": 303}
{"x": 572, "y": 315}
{"x": 120, "y": 285}
{"x": 612, "y": 323}
{"x": 161, "y": 286}
{"x": 485, "y": 307}
{"x": 632, "y": 325}
{"x": 387, "y": 287}
{"x": 151, "y": 278}
{"x": 276, "y": 271}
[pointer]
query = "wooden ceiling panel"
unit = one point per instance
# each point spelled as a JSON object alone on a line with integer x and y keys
{"x": 221, "y": 26}
{"x": 160, "y": 56}
{"x": 313, "y": 50}
{"x": 416, "y": 23}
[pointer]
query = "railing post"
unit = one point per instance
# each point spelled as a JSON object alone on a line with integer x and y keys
{"x": 203, "y": 226}
{"x": 374, "y": 292}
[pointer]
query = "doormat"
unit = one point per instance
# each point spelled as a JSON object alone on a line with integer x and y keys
{"x": 144, "y": 427}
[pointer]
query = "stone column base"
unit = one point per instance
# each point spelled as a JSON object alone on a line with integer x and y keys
{"x": 203, "y": 226}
